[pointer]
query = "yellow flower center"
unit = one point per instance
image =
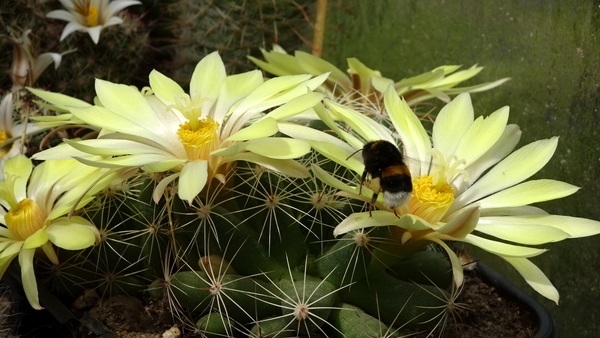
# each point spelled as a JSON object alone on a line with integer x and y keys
{"x": 25, "y": 220}
{"x": 92, "y": 16}
{"x": 199, "y": 141}
{"x": 2, "y": 137}
{"x": 429, "y": 201}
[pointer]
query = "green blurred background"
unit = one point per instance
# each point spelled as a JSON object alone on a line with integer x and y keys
{"x": 551, "y": 50}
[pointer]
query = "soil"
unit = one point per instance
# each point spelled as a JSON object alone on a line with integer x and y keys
{"x": 481, "y": 312}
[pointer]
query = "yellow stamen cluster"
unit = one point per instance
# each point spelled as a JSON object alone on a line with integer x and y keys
{"x": 3, "y": 137}
{"x": 25, "y": 220}
{"x": 200, "y": 141}
{"x": 429, "y": 201}
{"x": 92, "y": 16}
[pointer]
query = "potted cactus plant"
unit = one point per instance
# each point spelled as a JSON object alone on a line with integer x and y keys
{"x": 313, "y": 203}
{"x": 271, "y": 208}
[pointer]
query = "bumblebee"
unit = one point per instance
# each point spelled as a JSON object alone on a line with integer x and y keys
{"x": 389, "y": 175}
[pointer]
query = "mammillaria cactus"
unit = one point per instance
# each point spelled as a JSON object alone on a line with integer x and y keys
{"x": 216, "y": 203}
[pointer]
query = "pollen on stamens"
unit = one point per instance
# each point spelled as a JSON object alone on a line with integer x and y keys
{"x": 429, "y": 201}
{"x": 92, "y": 16}
{"x": 199, "y": 142}
{"x": 3, "y": 137}
{"x": 24, "y": 220}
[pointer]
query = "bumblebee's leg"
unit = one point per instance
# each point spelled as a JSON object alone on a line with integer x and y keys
{"x": 362, "y": 181}
{"x": 404, "y": 210}
{"x": 373, "y": 200}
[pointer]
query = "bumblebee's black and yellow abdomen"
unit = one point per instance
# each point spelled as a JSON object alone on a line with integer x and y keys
{"x": 396, "y": 178}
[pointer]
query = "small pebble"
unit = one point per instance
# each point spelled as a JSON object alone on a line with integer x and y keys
{"x": 173, "y": 332}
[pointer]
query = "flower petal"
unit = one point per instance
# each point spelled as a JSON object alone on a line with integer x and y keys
{"x": 20, "y": 168}
{"x": 512, "y": 211}
{"x": 192, "y": 180}
{"x": 36, "y": 240}
{"x": 61, "y": 14}
{"x": 127, "y": 104}
{"x": 310, "y": 134}
{"x": 514, "y": 169}
{"x": 278, "y": 64}
{"x": 574, "y": 226}
{"x": 28, "y": 278}
{"x": 232, "y": 150}
{"x": 73, "y": 234}
{"x": 328, "y": 117}
{"x": 528, "y": 234}
{"x": 365, "y": 74}
{"x": 260, "y": 129}
{"x": 159, "y": 190}
{"x": 295, "y": 106}
{"x": 504, "y": 146}
{"x": 279, "y": 147}
{"x": 48, "y": 249}
{"x": 503, "y": 249}
{"x": 115, "y": 6}
{"x": 317, "y": 66}
{"x": 451, "y": 124}
{"x": 528, "y": 193}
{"x": 462, "y": 224}
{"x": 458, "y": 77}
{"x": 43, "y": 61}
{"x": 94, "y": 33}
{"x": 287, "y": 167}
{"x": 360, "y": 220}
{"x": 5, "y": 260}
{"x": 457, "y": 268}
{"x": 71, "y": 27}
{"x": 534, "y": 277}
{"x": 420, "y": 81}
{"x": 164, "y": 87}
{"x": 233, "y": 89}
{"x": 114, "y": 147}
{"x": 367, "y": 128}
{"x": 272, "y": 93}
{"x": 11, "y": 250}
{"x": 162, "y": 166}
{"x": 415, "y": 140}
{"x": 137, "y": 160}
{"x": 208, "y": 76}
{"x": 105, "y": 118}
{"x": 58, "y": 99}
{"x": 338, "y": 155}
{"x": 328, "y": 179}
{"x": 482, "y": 135}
